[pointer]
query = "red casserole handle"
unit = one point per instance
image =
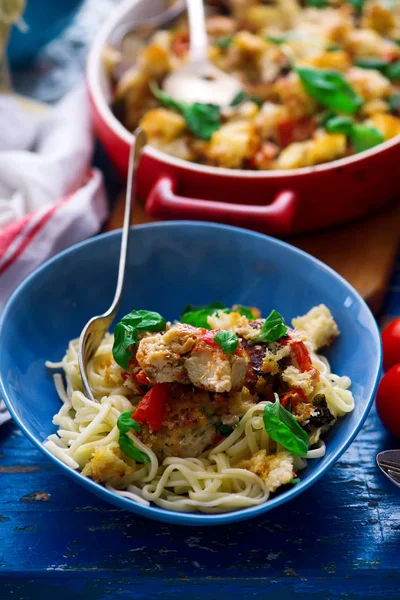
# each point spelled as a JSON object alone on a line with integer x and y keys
{"x": 276, "y": 217}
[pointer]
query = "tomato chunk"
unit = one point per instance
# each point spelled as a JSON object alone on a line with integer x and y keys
{"x": 180, "y": 44}
{"x": 294, "y": 397}
{"x": 388, "y": 401}
{"x": 208, "y": 337}
{"x": 142, "y": 378}
{"x": 151, "y": 408}
{"x": 295, "y": 131}
{"x": 302, "y": 356}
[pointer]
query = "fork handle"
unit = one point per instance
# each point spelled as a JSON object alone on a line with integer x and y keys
{"x": 134, "y": 156}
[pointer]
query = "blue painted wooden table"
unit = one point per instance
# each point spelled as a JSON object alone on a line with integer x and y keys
{"x": 340, "y": 539}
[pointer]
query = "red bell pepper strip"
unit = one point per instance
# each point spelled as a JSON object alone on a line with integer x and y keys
{"x": 297, "y": 130}
{"x": 302, "y": 356}
{"x": 208, "y": 337}
{"x": 294, "y": 397}
{"x": 142, "y": 378}
{"x": 151, "y": 408}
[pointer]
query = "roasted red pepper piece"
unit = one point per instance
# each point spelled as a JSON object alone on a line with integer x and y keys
{"x": 208, "y": 337}
{"x": 142, "y": 378}
{"x": 295, "y": 131}
{"x": 302, "y": 356}
{"x": 151, "y": 408}
{"x": 294, "y": 397}
{"x": 180, "y": 44}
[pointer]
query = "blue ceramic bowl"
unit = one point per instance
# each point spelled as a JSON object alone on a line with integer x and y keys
{"x": 172, "y": 264}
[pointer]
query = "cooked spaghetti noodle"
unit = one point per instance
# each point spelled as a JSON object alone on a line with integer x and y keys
{"x": 224, "y": 477}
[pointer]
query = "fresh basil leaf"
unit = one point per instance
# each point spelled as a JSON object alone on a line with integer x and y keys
{"x": 164, "y": 98}
{"x": 245, "y": 311}
{"x": 283, "y": 428}
{"x": 125, "y": 422}
{"x": 330, "y": 89}
{"x": 339, "y": 124}
{"x": 228, "y": 341}
{"x": 378, "y": 64}
{"x": 358, "y": 5}
{"x": 145, "y": 320}
{"x": 257, "y": 100}
{"x": 224, "y": 42}
{"x": 392, "y": 71}
{"x": 273, "y": 329}
{"x": 364, "y": 137}
{"x": 197, "y": 315}
{"x": 195, "y": 307}
{"x": 126, "y": 333}
{"x": 225, "y": 430}
{"x": 239, "y": 98}
{"x": 282, "y": 39}
{"x": 394, "y": 103}
{"x": 202, "y": 119}
{"x": 275, "y": 39}
{"x": 125, "y": 337}
{"x": 128, "y": 447}
{"x": 317, "y": 3}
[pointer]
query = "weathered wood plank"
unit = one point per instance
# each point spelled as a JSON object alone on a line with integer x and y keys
{"x": 342, "y": 535}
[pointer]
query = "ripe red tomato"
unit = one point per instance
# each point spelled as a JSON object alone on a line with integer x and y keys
{"x": 388, "y": 401}
{"x": 391, "y": 344}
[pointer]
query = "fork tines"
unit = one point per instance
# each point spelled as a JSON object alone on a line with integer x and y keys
{"x": 390, "y": 466}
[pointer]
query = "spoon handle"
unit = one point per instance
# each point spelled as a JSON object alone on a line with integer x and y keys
{"x": 198, "y": 33}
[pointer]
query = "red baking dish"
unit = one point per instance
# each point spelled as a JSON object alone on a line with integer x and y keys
{"x": 277, "y": 202}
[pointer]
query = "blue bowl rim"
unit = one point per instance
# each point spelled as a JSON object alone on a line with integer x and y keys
{"x": 154, "y": 512}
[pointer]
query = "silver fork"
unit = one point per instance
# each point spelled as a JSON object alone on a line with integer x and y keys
{"x": 389, "y": 463}
{"x": 95, "y": 329}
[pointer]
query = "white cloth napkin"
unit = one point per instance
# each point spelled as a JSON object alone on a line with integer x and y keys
{"x": 50, "y": 197}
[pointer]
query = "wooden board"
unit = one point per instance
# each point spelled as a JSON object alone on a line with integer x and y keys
{"x": 363, "y": 252}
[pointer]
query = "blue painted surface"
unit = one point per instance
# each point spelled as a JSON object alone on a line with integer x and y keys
{"x": 178, "y": 263}
{"x": 45, "y": 19}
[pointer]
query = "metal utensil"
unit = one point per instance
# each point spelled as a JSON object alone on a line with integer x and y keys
{"x": 147, "y": 25}
{"x": 389, "y": 463}
{"x": 199, "y": 80}
{"x": 95, "y": 329}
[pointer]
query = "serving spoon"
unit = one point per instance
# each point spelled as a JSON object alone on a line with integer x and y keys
{"x": 199, "y": 80}
{"x": 389, "y": 463}
{"x": 95, "y": 329}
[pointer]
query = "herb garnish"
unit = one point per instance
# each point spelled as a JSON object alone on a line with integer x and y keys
{"x": 224, "y": 42}
{"x": 394, "y": 102}
{"x": 273, "y": 329}
{"x": 124, "y": 424}
{"x": 283, "y": 428}
{"x": 197, "y": 315}
{"x": 228, "y": 341}
{"x": 245, "y": 311}
{"x": 126, "y": 333}
{"x": 330, "y": 89}
{"x": 362, "y": 136}
{"x": 202, "y": 119}
{"x": 391, "y": 70}
{"x": 224, "y": 430}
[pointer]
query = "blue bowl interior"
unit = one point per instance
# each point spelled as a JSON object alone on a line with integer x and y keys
{"x": 170, "y": 265}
